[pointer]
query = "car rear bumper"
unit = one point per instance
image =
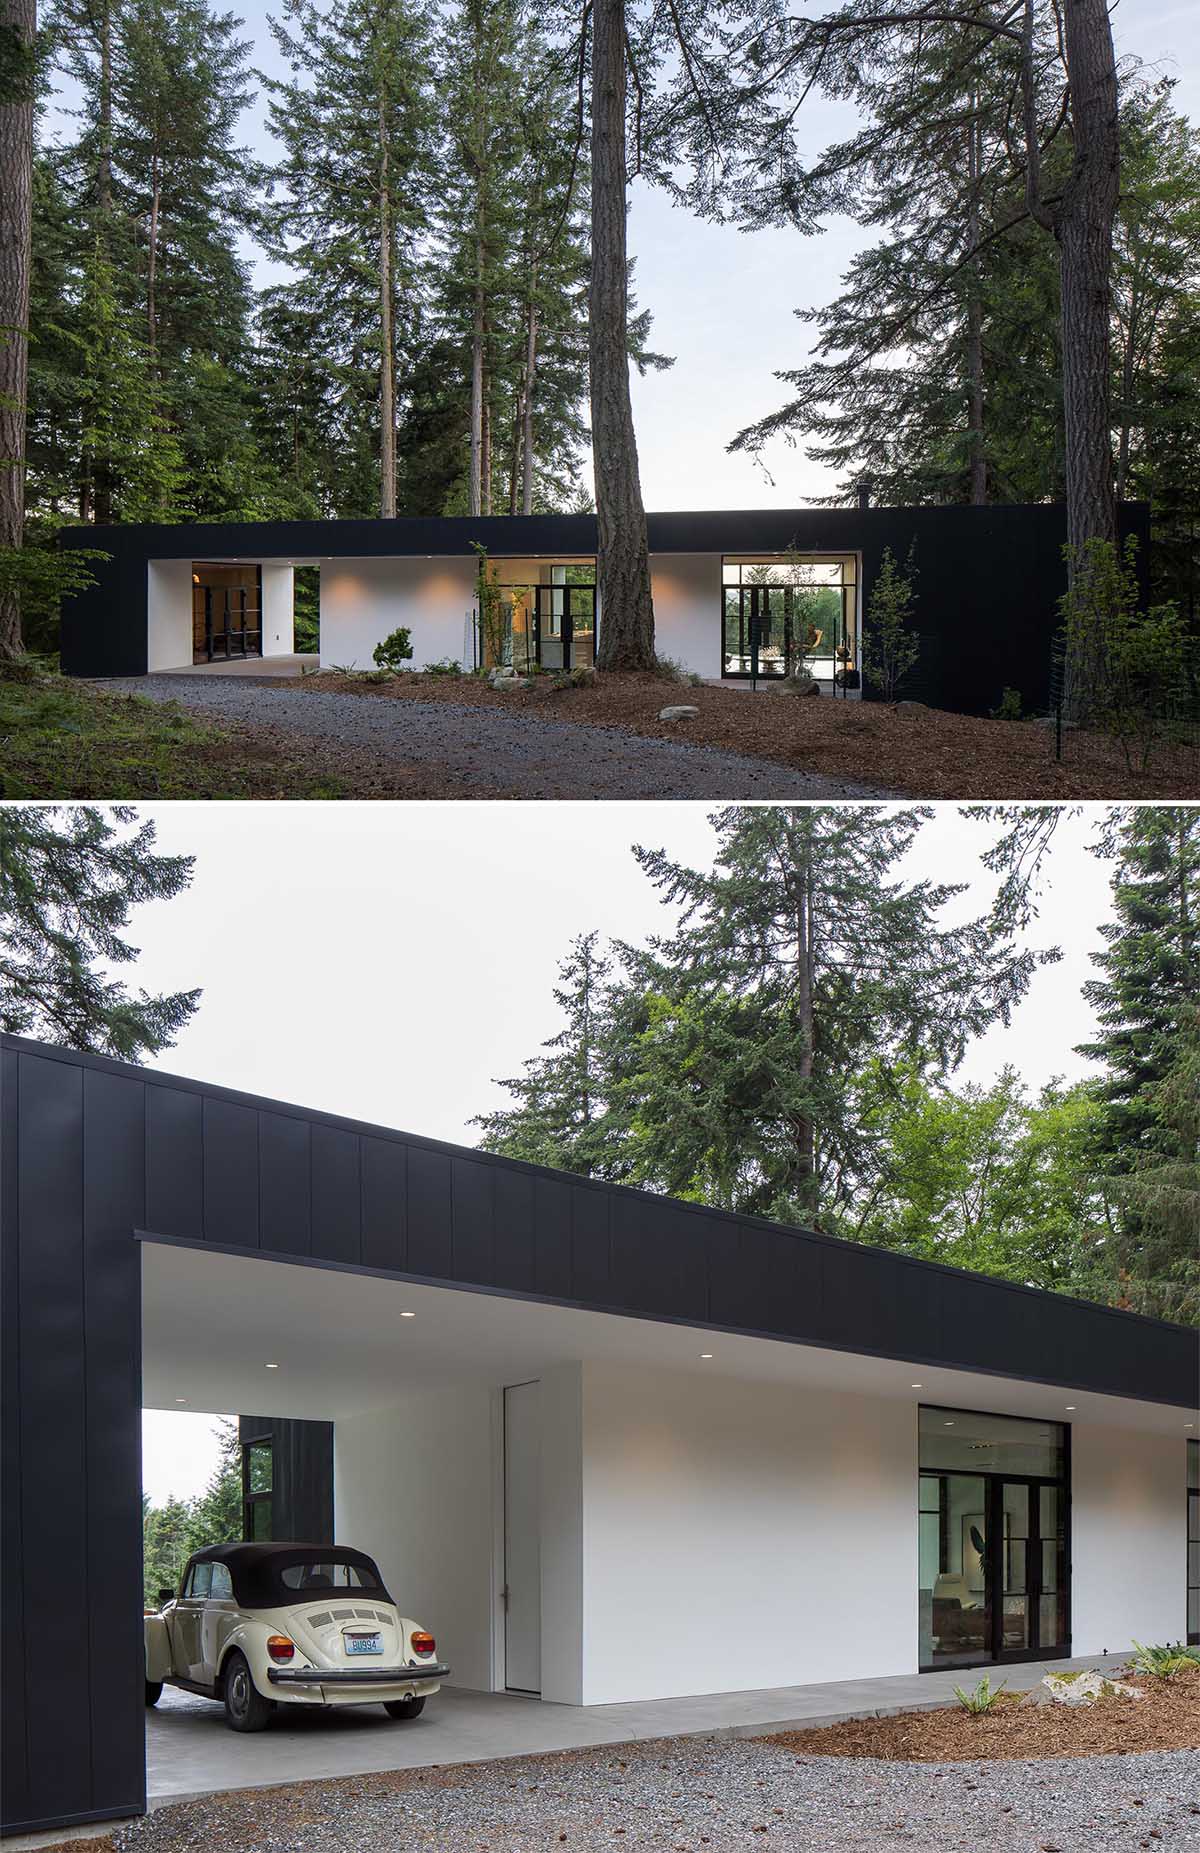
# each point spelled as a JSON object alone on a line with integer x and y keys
{"x": 355, "y": 1676}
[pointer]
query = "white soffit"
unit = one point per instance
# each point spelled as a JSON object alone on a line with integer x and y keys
{"x": 211, "y": 1323}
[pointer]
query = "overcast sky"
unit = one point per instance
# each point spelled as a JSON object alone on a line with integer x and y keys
{"x": 387, "y": 961}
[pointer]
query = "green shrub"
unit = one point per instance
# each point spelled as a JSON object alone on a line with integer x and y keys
{"x": 1011, "y": 707}
{"x": 445, "y": 666}
{"x": 890, "y": 646}
{"x": 1164, "y": 1662}
{"x": 982, "y": 1699}
{"x": 395, "y": 650}
{"x": 1125, "y": 668}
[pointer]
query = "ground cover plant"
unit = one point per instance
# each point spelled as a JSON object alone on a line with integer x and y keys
{"x": 66, "y": 739}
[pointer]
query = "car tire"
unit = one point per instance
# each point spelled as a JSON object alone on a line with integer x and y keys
{"x": 245, "y": 1707}
{"x": 153, "y": 1691}
{"x": 404, "y": 1708}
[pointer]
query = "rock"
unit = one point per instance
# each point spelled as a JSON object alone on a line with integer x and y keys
{"x": 584, "y": 675}
{"x": 679, "y": 713}
{"x": 913, "y": 707}
{"x": 507, "y": 683}
{"x": 799, "y": 687}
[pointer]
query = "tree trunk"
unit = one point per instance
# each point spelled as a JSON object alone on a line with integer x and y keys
{"x": 152, "y": 272}
{"x": 387, "y": 337}
{"x": 18, "y": 26}
{"x": 514, "y": 454}
{"x": 531, "y": 359}
{"x": 476, "y": 486}
{"x": 622, "y": 560}
{"x": 806, "y": 1167}
{"x": 976, "y": 452}
{"x": 485, "y": 441}
{"x": 104, "y": 125}
{"x": 1084, "y": 227}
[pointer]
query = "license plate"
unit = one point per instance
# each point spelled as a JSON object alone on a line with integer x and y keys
{"x": 363, "y": 1643}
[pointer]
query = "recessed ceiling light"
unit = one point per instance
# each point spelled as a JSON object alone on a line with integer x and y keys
{"x": 916, "y": 1386}
{"x": 408, "y": 1315}
{"x": 1069, "y": 1405}
{"x": 1189, "y": 1425}
{"x": 706, "y": 1354}
{"x": 272, "y": 1367}
{"x": 181, "y": 1399}
{"x": 947, "y": 1425}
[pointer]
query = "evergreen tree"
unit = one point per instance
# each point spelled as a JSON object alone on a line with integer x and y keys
{"x": 165, "y": 1546}
{"x": 561, "y": 1116}
{"x": 68, "y": 879}
{"x": 1145, "y": 1001}
{"x": 1160, "y": 1274}
{"x": 215, "y": 1516}
{"x": 350, "y": 211}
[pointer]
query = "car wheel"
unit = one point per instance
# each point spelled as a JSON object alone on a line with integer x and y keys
{"x": 245, "y": 1707}
{"x": 153, "y": 1691}
{"x": 404, "y": 1708}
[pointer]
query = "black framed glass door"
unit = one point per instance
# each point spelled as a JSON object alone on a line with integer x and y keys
{"x": 564, "y": 625}
{"x": 994, "y": 1574}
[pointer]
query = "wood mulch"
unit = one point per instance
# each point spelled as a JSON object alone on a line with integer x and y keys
{"x": 1167, "y": 1718}
{"x": 911, "y": 749}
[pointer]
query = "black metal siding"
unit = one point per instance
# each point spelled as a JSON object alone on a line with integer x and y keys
{"x": 988, "y": 582}
{"x": 94, "y": 1150}
{"x": 301, "y": 1476}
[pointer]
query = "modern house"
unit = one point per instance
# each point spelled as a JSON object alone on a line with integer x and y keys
{"x": 738, "y": 595}
{"x": 611, "y": 1446}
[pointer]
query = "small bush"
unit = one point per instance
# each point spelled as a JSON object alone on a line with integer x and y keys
{"x": 395, "y": 650}
{"x": 1126, "y": 669}
{"x": 890, "y": 646}
{"x": 672, "y": 670}
{"x": 445, "y": 666}
{"x": 982, "y": 1699}
{"x": 1011, "y": 707}
{"x": 1164, "y": 1662}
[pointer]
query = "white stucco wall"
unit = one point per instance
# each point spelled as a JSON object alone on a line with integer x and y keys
{"x": 687, "y": 609}
{"x": 362, "y": 601}
{"x": 1128, "y": 1539}
{"x": 562, "y": 1534}
{"x": 168, "y": 614}
{"x": 278, "y": 611}
{"x": 739, "y": 1535}
{"x": 413, "y": 1487}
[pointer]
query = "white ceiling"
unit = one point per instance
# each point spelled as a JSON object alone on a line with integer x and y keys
{"x": 211, "y": 1323}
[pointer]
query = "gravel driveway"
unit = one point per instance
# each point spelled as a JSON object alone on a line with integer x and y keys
{"x": 725, "y": 1795}
{"x": 519, "y": 755}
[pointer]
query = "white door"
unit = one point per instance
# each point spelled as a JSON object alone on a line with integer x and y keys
{"x": 522, "y": 1538}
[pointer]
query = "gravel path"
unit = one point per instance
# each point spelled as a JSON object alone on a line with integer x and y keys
{"x": 721, "y": 1794}
{"x": 519, "y": 755}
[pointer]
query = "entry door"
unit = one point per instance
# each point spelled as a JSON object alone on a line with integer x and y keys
{"x": 522, "y": 1538}
{"x": 1029, "y": 1568}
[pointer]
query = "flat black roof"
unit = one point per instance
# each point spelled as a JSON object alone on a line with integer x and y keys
{"x": 671, "y": 531}
{"x": 248, "y": 1175}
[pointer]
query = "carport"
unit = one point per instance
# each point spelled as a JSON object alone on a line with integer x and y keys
{"x": 616, "y": 1451}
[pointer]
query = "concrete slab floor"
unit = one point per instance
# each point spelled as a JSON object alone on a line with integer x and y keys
{"x": 255, "y": 666}
{"x": 191, "y": 1751}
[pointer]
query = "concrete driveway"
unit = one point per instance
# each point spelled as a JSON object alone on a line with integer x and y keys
{"x": 191, "y": 1751}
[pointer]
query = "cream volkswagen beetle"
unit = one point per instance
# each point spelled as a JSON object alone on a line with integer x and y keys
{"x": 257, "y": 1625}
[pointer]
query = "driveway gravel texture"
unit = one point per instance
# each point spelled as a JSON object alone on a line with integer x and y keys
{"x": 717, "y": 1794}
{"x": 491, "y": 752}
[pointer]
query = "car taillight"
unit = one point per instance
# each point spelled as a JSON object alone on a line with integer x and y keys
{"x": 422, "y": 1643}
{"x": 279, "y": 1647}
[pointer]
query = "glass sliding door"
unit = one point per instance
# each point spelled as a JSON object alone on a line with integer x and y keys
{"x": 1193, "y": 1543}
{"x": 993, "y": 1582}
{"x": 777, "y": 614}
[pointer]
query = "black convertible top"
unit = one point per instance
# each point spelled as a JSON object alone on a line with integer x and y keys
{"x": 257, "y": 1570}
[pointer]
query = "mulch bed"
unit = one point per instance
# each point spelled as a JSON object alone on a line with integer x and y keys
{"x": 920, "y": 751}
{"x": 1167, "y": 1718}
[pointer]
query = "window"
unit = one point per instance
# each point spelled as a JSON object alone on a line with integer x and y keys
{"x": 199, "y": 1582}
{"x": 779, "y": 613}
{"x": 992, "y": 1532}
{"x": 221, "y": 1587}
{"x": 258, "y": 1474}
{"x": 325, "y": 1576}
{"x": 1193, "y": 1543}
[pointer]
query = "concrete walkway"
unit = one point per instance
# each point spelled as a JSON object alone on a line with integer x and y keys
{"x": 256, "y": 666}
{"x": 191, "y": 1751}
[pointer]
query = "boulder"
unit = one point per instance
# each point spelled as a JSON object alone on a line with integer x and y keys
{"x": 679, "y": 713}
